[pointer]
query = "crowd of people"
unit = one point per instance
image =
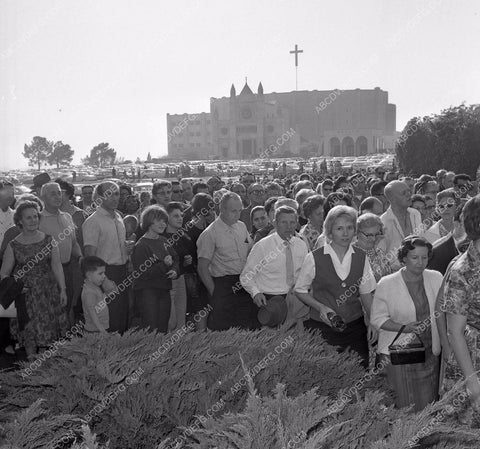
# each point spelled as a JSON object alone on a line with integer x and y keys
{"x": 366, "y": 260}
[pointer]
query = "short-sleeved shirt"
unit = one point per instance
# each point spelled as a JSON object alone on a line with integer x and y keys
{"x": 62, "y": 229}
{"x": 225, "y": 246}
{"x": 462, "y": 287}
{"x": 92, "y": 303}
{"x": 6, "y": 222}
{"x": 107, "y": 234}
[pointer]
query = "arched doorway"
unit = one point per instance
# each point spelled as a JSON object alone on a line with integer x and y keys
{"x": 335, "y": 146}
{"x": 348, "y": 147}
{"x": 361, "y": 146}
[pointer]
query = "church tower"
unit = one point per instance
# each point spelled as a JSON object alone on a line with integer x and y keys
{"x": 260, "y": 88}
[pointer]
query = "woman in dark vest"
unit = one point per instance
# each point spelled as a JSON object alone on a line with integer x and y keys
{"x": 335, "y": 281}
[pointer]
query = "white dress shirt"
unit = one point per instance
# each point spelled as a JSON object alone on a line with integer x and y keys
{"x": 6, "y": 222}
{"x": 394, "y": 233}
{"x": 266, "y": 267}
{"x": 307, "y": 272}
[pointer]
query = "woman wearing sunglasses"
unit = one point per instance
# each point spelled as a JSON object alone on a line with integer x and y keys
{"x": 369, "y": 238}
{"x": 446, "y": 210}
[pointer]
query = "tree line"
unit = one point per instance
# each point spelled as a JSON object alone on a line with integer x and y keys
{"x": 42, "y": 151}
{"x": 449, "y": 140}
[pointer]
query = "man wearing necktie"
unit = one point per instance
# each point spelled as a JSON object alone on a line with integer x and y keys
{"x": 274, "y": 262}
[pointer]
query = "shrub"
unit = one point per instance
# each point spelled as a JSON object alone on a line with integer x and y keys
{"x": 307, "y": 421}
{"x": 206, "y": 390}
{"x": 168, "y": 379}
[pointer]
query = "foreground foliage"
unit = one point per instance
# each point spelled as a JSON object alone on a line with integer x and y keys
{"x": 234, "y": 389}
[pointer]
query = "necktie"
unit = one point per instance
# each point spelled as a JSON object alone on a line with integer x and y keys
{"x": 289, "y": 264}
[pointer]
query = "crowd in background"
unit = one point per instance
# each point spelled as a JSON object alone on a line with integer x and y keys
{"x": 361, "y": 259}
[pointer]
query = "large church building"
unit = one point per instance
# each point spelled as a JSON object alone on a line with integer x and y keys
{"x": 260, "y": 125}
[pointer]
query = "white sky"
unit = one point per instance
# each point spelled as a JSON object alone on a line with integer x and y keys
{"x": 86, "y": 72}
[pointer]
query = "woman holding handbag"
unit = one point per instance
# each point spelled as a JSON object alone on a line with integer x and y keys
{"x": 34, "y": 259}
{"x": 403, "y": 311}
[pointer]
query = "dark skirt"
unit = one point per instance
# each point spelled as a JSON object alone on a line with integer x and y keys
{"x": 353, "y": 338}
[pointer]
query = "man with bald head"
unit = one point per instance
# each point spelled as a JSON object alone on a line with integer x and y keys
{"x": 399, "y": 220}
{"x": 222, "y": 253}
{"x": 60, "y": 226}
{"x": 371, "y": 205}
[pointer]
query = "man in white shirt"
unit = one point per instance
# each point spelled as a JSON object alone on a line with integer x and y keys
{"x": 399, "y": 220}
{"x": 265, "y": 273}
{"x": 6, "y": 222}
{"x": 6, "y": 214}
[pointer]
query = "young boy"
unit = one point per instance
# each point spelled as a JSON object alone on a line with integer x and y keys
{"x": 95, "y": 309}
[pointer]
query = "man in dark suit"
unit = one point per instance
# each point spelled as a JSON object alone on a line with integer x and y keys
{"x": 446, "y": 248}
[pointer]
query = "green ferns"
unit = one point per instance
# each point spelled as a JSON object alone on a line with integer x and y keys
{"x": 234, "y": 389}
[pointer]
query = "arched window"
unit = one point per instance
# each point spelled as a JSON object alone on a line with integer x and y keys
{"x": 334, "y": 146}
{"x": 361, "y": 146}
{"x": 348, "y": 147}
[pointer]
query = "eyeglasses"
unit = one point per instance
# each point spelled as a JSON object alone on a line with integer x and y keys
{"x": 257, "y": 192}
{"x": 446, "y": 205}
{"x": 372, "y": 236}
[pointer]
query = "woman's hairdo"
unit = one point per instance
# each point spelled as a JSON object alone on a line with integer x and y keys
{"x": 410, "y": 243}
{"x": 337, "y": 212}
{"x": 334, "y": 198}
{"x": 152, "y": 213}
{"x": 17, "y": 216}
{"x": 311, "y": 204}
{"x": 368, "y": 220}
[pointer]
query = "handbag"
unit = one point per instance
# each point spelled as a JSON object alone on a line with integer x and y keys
{"x": 10, "y": 290}
{"x": 10, "y": 312}
{"x": 406, "y": 354}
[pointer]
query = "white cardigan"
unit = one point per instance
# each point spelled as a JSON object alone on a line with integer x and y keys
{"x": 393, "y": 301}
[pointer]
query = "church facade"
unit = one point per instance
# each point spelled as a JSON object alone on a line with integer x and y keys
{"x": 259, "y": 125}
